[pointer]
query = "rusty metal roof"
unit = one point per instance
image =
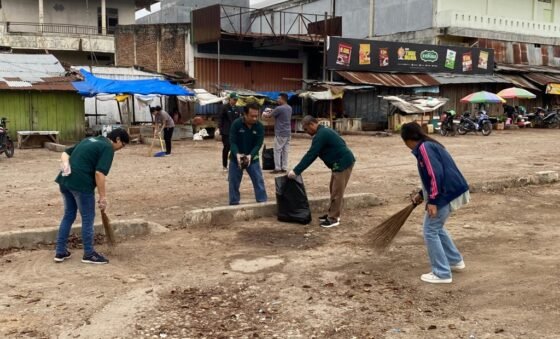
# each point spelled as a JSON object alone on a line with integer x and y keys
{"x": 519, "y": 81}
{"x": 389, "y": 79}
{"x": 515, "y": 68}
{"x": 47, "y": 84}
{"x": 543, "y": 78}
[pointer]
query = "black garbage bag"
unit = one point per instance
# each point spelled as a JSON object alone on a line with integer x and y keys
{"x": 291, "y": 200}
{"x": 268, "y": 158}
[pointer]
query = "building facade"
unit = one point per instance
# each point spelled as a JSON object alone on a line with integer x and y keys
{"x": 75, "y": 31}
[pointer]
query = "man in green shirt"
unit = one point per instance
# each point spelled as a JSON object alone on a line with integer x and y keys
{"x": 84, "y": 167}
{"x": 332, "y": 149}
{"x": 246, "y": 138}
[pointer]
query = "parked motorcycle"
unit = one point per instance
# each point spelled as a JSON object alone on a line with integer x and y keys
{"x": 6, "y": 144}
{"x": 543, "y": 118}
{"x": 482, "y": 124}
{"x": 447, "y": 127}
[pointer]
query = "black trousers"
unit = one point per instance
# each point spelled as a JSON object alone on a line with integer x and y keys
{"x": 167, "y": 134}
{"x": 225, "y": 150}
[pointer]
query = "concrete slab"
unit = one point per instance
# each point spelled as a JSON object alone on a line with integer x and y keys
{"x": 47, "y": 235}
{"x": 51, "y": 146}
{"x": 228, "y": 214}
{"x": 539, "y": 178}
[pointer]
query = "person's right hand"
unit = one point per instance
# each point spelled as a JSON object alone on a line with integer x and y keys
{"x": 239, "y": 156}
{"x": 102, "y": 203}
{"x": 417, "y": 199}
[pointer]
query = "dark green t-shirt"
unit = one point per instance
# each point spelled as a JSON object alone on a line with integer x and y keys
{"x": 246, "y": 140}
{"x": 90, "y": 155}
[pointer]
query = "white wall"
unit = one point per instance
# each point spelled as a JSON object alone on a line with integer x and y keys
{"x": 512, "y": 9}
{"x": 74, "y": 12}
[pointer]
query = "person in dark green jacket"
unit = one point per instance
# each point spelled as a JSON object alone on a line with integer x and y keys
{"x": 246, "y": 138}
{"x": 332, "y": 149}
{"x": 83, "y": 168}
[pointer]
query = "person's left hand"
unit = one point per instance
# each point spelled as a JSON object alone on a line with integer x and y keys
{"x": 432, "y": 210}
{"x": 292, "y": 175}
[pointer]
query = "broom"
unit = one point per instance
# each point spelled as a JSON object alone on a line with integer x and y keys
{"x": 109, "y": 233}
{"x": 382, "y": 235}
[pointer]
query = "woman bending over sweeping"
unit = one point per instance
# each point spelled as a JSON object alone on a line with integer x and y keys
{"x": 445, "y": 190}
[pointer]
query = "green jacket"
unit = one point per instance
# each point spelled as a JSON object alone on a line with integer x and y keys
{"x": 246, "y": 140}
{"x": 91, "y": 155}
{"x": 331, "y": 148}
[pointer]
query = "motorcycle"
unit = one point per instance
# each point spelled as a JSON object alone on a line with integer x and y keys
{"x": 543, "y": 118}
{"x": 467, "y": 124}
{"x": 6, "y": 144}
{"x": 448, "y": 128}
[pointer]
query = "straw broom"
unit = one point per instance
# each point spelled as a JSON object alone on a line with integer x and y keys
{"x": 109, "y": 233}
{"x": 382, "y": 235}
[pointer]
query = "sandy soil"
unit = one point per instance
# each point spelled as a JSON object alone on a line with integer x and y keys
{"x": 264, "y": 279}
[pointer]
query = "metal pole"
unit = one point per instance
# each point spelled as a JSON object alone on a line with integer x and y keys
{"x": 325, "y": 48}
{"x": 219, "y": 80}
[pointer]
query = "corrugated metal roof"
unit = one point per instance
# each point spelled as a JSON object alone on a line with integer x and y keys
{"x": 30, "y": 67}
{"x": 389, "y": 79}
{"x": 542, "y": 78}
{"x": 447, "y": 78}
{"x": 118, "y": 73}
{"x": 40, "y": 72}
{"x": 47, "y": 84}
{"x": 526, "y": 68}
{"x": 519, "y": 81}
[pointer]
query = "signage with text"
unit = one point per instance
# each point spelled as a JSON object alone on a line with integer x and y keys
{"x": 388, "y": 56}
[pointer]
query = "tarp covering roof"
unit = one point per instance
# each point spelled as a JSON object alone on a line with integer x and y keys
{"x": 93, "y": 85}
{"x": 415, "y": 105}
{"x": 389, "y": 79}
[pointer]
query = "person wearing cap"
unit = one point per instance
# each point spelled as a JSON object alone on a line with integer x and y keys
{"x": 228, "y": 115}
{"x": 163, "y": 119}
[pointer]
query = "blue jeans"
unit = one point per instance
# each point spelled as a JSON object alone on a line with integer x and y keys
{"x": 235, "y": 176}
{"x": 74, "y": 201}
{"x": 441, "y": 249}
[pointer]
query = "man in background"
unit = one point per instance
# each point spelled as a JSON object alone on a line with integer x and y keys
{"x": 282, "y": 133}
{"x": 227, "y": 117}
{"x": 165, "y": 124}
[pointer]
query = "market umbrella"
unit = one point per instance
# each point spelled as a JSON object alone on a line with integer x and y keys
{"x": 514, "y": 92}
{"x": 483, "y": 97}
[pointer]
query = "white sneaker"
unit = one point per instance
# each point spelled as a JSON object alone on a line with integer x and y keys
{"x": 458, "y": 266}
{"x": 434, "y": 279}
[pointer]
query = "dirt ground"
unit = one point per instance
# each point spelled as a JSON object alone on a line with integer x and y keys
{"x": 264, "y": 279}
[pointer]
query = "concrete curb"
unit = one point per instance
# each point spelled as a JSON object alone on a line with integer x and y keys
{"x": 47, "y": 235}
{"x": 539, "y": 178}
{"x": 229, "y": 214}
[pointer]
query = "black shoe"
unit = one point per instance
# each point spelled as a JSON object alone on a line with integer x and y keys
{"x": 330, "y": 223}
{"x": 323, "y": 218}
{"x": 283, "y": 171}
{"x": 61, "y": 257}
{"x": 95, "y": 258}
{"x": 276, "y": 172}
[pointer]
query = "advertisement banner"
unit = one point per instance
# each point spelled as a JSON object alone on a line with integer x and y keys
{"x": 389, "y": 56}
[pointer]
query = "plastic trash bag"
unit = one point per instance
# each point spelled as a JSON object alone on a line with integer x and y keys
{"x": 268, "y": 158}
{"x": 291, "y": 200}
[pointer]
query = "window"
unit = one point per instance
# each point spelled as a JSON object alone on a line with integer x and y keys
{"x": 112, "y": 19}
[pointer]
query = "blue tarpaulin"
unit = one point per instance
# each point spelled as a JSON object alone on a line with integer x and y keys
{"x": 93, "y": 85}
{"x": 275, "y": 95}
